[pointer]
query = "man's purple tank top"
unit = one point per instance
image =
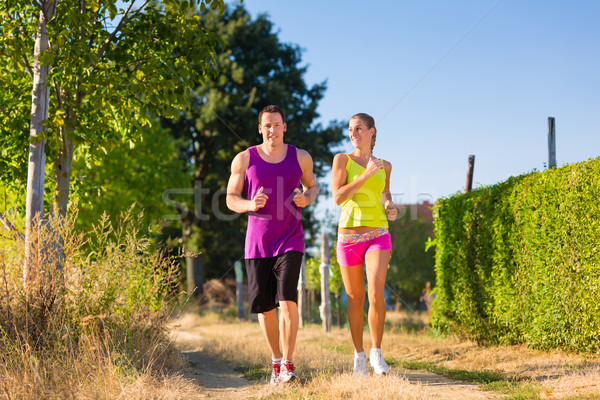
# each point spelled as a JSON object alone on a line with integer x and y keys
{"x": 276, "y": 228}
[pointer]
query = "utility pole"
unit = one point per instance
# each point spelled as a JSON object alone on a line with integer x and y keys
{"x": 470, "y": 173}
{"x": 551, "y": 143}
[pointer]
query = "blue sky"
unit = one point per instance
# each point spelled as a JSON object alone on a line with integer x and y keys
{"x": 447, "y": 79}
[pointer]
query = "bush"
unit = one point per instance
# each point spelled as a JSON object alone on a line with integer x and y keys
{"x": 519, "y": 262}
{"x": 86, "y": 318}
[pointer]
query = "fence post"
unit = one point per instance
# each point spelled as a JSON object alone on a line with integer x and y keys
{"x": 302, "y": 294}
{"x": 325, "y": 307}
{"x": 470, "y": 173}
{"x": 551, "y": 143}
{"x": 239, "y": 288}
{"x": 194, "y": 275}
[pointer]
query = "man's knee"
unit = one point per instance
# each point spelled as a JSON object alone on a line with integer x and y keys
{"x": 288, "y": 307}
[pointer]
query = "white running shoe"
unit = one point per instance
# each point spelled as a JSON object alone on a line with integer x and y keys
{"x": 360, "y": 365}
{"x": 378, "y": 363}
{"x": 287, "y": 373}
{"x": 275, "y": 370}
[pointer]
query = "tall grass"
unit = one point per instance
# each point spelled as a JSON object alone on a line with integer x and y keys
{"x": 91, "y": 318}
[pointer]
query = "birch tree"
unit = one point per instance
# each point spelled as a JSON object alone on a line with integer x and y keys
{"x": 95, "y": 74}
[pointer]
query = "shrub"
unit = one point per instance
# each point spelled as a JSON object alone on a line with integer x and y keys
{"x": 519, "y": 262}
{"x": 89, "y": 316}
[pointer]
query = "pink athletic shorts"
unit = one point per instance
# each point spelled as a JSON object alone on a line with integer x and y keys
{"x": 352, "y": 248}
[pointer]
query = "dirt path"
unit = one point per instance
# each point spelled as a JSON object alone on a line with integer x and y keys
{"x": 219, "y": 381}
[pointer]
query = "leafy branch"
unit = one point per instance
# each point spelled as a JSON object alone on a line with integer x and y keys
{"x": 124, "y": 21}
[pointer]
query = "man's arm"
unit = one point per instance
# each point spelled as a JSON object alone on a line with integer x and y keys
{"x": 309, "y": 182}
{"x": 235, "y": 186}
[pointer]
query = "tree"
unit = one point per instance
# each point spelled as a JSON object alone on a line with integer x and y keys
{"x": 411, "y": 266}
{"x": 130, "y": 173}
{"x": 255, "y": 69}
{"x": 95, "y": 75}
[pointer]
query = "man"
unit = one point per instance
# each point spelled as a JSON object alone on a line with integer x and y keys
{"x": 271, "y": 174}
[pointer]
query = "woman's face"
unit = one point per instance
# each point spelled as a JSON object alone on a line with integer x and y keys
{"x": 360, "y": 134}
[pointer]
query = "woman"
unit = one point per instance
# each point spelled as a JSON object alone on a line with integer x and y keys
{"x": 360, "y": 184}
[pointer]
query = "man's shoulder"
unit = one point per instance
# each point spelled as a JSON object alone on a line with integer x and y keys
{"x": 303, "y": 155}
{"x": 241, "y": 160}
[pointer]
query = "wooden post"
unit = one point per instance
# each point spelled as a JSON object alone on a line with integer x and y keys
{"x": 194, "y": 275}
{"x": 325, "y": 307}
{"x": 551, "y": 143}
{"x": 338, "y": 301}
{"x": 239, "y": 280}
{"x": 470, "y": 173}
{"x": 302, "y": 293}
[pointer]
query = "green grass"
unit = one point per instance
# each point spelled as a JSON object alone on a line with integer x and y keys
{"x": 514, "y": 389}
{"x": 341, "y": 348}
{"x": 487, "y": 380}
{"x": 253, "y": 372}
{"x": 471, "y": 376}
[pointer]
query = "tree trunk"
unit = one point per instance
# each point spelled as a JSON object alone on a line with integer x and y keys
{"x": 40, "y": 99}
{"x": 62, "y": 170}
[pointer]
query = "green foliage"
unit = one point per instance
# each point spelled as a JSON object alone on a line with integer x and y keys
{"x": 411, "y": 265}
{"x": 111, "y": 71}
{"x": 254, "y": 70}
{"x": 518, "y": 262}
{"x": 313, "y": 273}
{"x": 131, "y": 172}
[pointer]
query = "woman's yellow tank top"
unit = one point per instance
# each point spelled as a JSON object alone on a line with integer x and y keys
{"x": 364, "y": 208}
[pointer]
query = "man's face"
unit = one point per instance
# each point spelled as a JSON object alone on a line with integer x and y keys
{"x": 271, "y": 128}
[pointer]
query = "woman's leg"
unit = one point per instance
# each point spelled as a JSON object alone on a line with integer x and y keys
{"x": 377, "y": 266}
{"x": 354, "y": 283}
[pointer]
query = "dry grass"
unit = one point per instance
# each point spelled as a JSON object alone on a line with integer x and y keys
{"x": 324, "y": 361}
{"x": 95, "y": 331}
{"x": 559, "y": 373}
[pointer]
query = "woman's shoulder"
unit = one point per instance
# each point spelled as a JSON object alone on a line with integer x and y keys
{"x": 386, "y": 164}
{"x": 341, "y": 158}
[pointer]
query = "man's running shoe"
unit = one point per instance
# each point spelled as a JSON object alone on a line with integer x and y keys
{"x": 287, "y": 372}
{"x": 275, "y": 372}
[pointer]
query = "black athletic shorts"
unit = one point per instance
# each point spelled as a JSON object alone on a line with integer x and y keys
{"x": 272, "y": 279}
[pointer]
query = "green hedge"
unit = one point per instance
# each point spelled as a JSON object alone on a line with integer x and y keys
{"x": 519, "y": 262}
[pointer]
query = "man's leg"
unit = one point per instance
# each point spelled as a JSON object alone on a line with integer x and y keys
{"x": 288, "y": 327}
{"x": 287, "y": 271}
{"x": 270, "y": 327}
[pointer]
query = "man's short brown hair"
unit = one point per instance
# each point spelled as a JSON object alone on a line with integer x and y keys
{"x": 271, "y": 109}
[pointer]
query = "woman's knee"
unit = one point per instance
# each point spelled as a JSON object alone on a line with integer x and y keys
{"x": 377, "y": 297}
{"x": 356, "y": 301}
